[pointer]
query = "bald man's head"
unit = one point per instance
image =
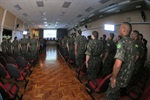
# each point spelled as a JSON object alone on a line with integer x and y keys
{"x": 128, "y": 28}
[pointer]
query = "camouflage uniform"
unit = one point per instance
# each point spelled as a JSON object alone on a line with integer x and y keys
{"x": 138, "y": 63}
{"x": 15, "y": 45}
{"x": 110, "y": 47}
{"x": 33, "y": 47}
{"x": 81, "y": 43}
{"x": 126, "y": 52}
{"x": 3, "y": 46}
{"x": 70, "y": 43}
{"x": 64, "y": 46}
{"x": 23, "y": 44}
{"x": 9, "y": 45}
{"x": 94, "y": 50}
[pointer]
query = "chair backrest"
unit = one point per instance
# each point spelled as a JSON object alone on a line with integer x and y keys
{"x": 4, "y": 94}
{"x": 104, "y": 83}
{"x": 3, "y": 54}
{"x": 11, "y": 60}
{"x": 2, "y": 71}
{"x": 13, "y": 71}
{"x": 21, "y": 62}
{"x": 3, "y": 61}
{"x": 28, "y": 56}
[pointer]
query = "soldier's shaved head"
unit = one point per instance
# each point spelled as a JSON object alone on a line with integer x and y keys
{"x": 127, "y": 27}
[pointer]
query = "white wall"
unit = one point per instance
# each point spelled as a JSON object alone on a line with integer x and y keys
{"x": 136, "y": 21}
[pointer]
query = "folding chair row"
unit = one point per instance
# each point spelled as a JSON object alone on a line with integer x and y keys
{"x": 9, "y": 91}
{"x": 11, "y": 72}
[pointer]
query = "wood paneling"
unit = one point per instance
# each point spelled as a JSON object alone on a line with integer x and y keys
{"x": 1, "y": 14}
{"x": 9, "y": 20}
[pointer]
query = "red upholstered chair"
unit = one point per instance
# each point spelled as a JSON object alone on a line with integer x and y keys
{"x": 16, "y": 74}
{"x": 23, "y": 64}
{"x": 81, "y": 71}
{"x": 3, "y": 61}
{"x": 11, "y": 60}
{"x": 3, "y": 72}
{"x": 9, "y": 91}
{"x": 98, "y": 85}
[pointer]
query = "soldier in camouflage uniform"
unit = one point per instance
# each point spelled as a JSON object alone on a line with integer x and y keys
{"x": 110, "y": 51}
{"x": 138, "y": 45}
{"x": 15, "y": 46}
{"x": 9, "y": 46}
{"x": 24, "y": 45}
{"x": 64, "y": 46}
{"x": 70, "y": 47}
{"x": 80, "y": 47}
{"x": 33, "y": 46}
{"x": 93, "y": 53}
{"x": 124, "y": 63}
{"x": 3, "y": 45}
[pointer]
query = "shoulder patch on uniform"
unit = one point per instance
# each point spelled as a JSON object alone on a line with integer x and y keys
{"x": 136, "y": 46}
{"x": 108, "y": 44}
{"x": 118, "y": 46}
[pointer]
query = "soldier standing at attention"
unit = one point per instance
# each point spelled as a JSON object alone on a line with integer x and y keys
{"x": 80, "y": 47}
{"x": 15, "y": 46}
{"x": 23, "y": 44}
{"x": 9, "y": 46}
{"x": 93, "y": 53}
{"x": 34, "y": 46}
{"x": 70, "y": 47}
{"x": 3, "y": 45}
{"x": 138, "y": 45}
{"x": 108, "y": 59}
{"x": 64, "y": 46}
{"x": 124, "y": 63}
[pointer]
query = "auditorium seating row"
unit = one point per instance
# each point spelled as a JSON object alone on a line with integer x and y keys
{"x": 13, "y": 73}
{"x": 137, "y": 90}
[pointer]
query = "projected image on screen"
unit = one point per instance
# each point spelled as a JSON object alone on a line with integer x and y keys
{"x": 50, "y": 33}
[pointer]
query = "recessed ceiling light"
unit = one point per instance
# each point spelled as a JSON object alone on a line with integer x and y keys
{"x": 101, "y": 16}
{"x": 91, "y": 15}
{"x": 139, "y": 6}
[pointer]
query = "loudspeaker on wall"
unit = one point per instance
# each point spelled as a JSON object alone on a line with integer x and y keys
{"x": 143, "y": 15}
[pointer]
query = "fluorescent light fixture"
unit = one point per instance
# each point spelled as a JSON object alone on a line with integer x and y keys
{"x": 46, "y": 25}
{"x": 124, "y": 2}
{"x": 109, "y": 27}
{"x": 101, "y": 16}
{"x": 139, "y": 6}
{"x": 91, "y": 15}
{"x": 82, "y": 19}
{"x": 45, "y": 22}
{"x": 117, "y": 11}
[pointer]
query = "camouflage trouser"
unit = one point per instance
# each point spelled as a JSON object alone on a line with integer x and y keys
{"x": 92, "y": 72}
{"x": 71, "y": 55}
{"x": 112, "y": 93}
{"x": 107, "y": 68}
{"x": 79, "y": 59}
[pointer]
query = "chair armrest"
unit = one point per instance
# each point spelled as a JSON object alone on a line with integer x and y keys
{"x": 10, "y": 88}
{"x": 95, "y": 83}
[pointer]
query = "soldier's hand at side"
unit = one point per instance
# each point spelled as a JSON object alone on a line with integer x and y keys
{"x": 86, "y": 64}
{"x": 112, "y": 82}
{"x": 75, "y": 53}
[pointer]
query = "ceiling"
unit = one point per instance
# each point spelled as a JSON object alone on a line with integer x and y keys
{"x": 67, "y": 13}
